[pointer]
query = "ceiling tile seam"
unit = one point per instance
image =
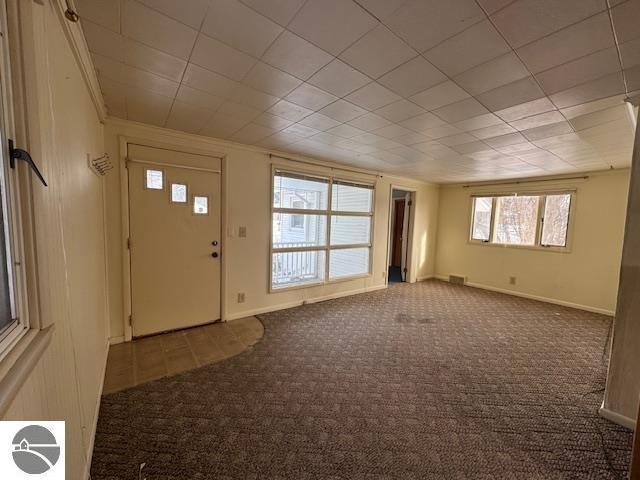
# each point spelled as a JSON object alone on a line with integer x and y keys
{"x": 180, "y": 83}
{"x": 617, "y": 45}
{"x": 162, "y": 13}
{"x": 523, "y": 63}
{"x": 279, "y": 24}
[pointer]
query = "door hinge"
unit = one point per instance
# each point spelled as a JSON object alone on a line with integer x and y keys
{"x": 404, "y": 270}
{"x": 410, "y": 203}
{"x": 130, "y": 320}
{"x": 128, "y": 243}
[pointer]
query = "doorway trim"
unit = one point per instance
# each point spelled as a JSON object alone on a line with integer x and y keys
{"x": 124, "y": 141}
{"x": 410, "y": 277}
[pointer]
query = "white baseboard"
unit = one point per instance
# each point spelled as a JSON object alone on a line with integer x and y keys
{"x": 116, "y": 340}
{"x": 554, "y": 301}
{"x": 94, "y": 427}
{"x": 426, "y": 277}
{"x": 617, "y": 417}
{"x": 297, "y": 303}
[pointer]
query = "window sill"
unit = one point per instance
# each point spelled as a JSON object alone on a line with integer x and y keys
{"x": 521, "y": 247}
{"x": 320, "y": 284}
{"x": 18, "y": 364}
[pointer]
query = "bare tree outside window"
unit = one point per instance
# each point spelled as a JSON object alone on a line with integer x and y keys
{"x": 556, "y": 220}
{"x": 516, "y": 220}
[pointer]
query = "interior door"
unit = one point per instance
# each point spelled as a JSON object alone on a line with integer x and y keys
{"x": 398, "y": 222}
{"x": 174, "y": 216}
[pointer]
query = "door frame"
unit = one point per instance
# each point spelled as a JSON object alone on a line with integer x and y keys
{"x": 124, "y": 141}
{"x": 410, "y": 230}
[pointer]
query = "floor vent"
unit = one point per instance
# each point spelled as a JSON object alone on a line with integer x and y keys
{"x": 457, "y": 279}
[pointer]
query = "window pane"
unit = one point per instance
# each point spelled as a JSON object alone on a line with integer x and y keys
{"x": 350, "y": 230}
{"x": 155, "y": 179}
{"x": 6, "y": 315}
{"x": 348, "y": 262}
{"x": 178, "y": 193}
{"x": 516, "y": 220}
{"x": 556, "y": 219}
{"x": 297, "y": 268}
{"x": 481, "y": 218}
{"x": 302, "y": 192}
{"x": 347, "y": 197}
{"x": 200, "y": 205}
{"x": 296, "y": 230}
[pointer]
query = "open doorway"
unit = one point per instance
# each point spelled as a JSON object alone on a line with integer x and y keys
{"x": 400, "y": 220}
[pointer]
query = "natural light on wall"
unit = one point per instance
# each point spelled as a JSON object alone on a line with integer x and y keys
{"x": 540, "y": 220}
{"x": 321, "y": 229}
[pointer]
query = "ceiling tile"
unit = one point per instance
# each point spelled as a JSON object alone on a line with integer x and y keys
{"x": 470, "y": 147}
{"x": 481, "y": 121}
{"x": 372, "y": 96}
{"x": 105, "y": 13}
{"x": 412, "y": 77}
{"x": 537, "y": 120}
{"x": 436, "y": 150}
{"x": 382, "y": 9}
{"x": 310, "y": 97}
{"x": 280, "y": 11}
{"x": 214, "y": 55}
{"x": 457, "y": 139}
{"x": 332, "y": 25}
{"x": 339, "y": 78}
{"x": 568, "y": 44}
{"x": 472, "y": 47}
{"x": 252, "y": 133}
{"x": 378, "y": 52}
{"x": 289, "y": 111}
{"x": 528, "y": 20}
{"x": 546, "y": 131}
{"x": 630, "y": 53}
{"x": 296, "y": 56}
{"x": 301, "y": 130}
{"x": 399, "y": 111}
{"x": 345, "y": 131}
{"x": 425, "y": 23}
{"x": 439, "y": 96}
{"x": 207, "y": 81}
{"x": 492, "y": 6}
{"x": 492, "y": 74}
{"x": 156, "y": 30}
{"x": 147, "y": 107}
{"x": 514, "y": 93}
{"x": 187, "y": 117}
{"x": 632, "y": 76}
{"x": 238, "y": 110}
{"x": 252, "y": 98}
{"x": 444, "y": 130}
{"x": 579, "y": 71}
{"x": 319, "y": 122}
{"x": 422, "y": 122}
{"x": 455, "y": 112}
{"x": 392, "y": 131}
{"x": 505, "y": 140}
{"x": 198, "y": 98}
{"x": 240, "y": 27}
{"x": 411, "y": 138}
{"x": 272, "y": 121}
{"x": 590, "y": 107}
{"x": 526, "y": 109}
{"x": 103, "y": 41}
{"x": 625, "y": 19}
{"x": 369, "y": 122}
{"x": 343, "y": 111}
{"x": 222, "y": 126}
{"x": 596, "y": 89}
{"x": 155, "y": 61}
{"x": 271, "y": 80}
{"x": 600, "y": 117}
{"x": 191, "y": 13}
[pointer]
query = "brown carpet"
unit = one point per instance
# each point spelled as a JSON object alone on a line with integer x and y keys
{"x": 420, "y": 381}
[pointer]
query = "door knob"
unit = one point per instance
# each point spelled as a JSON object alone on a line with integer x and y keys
{"x": 214, "y": 243}
{"x": 214, "y": 254}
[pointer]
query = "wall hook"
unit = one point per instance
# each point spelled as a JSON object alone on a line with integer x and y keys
{"x": 19, "y": 154}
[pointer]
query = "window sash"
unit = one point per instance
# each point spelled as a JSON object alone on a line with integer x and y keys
{"x": 539, "y": 218}
{"x": 328, "y": 213}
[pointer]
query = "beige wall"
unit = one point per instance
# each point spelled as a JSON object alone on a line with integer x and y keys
{"x": 586, "y": 277}
{"x": 63, "y": 128}
{"x": 247, "y": 197}
{"x": 623, "y": 382}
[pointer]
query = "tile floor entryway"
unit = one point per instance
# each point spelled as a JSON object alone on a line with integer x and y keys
{"x": 146, "y": 359}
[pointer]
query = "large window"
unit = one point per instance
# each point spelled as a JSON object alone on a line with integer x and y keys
{"x": 534, "y": 220}
{"x": 321, "y": 229}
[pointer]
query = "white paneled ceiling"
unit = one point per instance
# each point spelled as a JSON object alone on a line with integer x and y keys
{"x": 446, "y": 91}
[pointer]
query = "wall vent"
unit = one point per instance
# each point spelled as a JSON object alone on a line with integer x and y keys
{"x": 457, "y": 279}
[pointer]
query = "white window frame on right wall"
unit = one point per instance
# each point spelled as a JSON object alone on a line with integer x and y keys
{"x": 539, "y": 220}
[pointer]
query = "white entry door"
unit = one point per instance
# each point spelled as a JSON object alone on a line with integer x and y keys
{"x": 174, "y": 218}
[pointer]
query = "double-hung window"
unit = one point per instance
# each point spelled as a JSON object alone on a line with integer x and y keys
{"x": 321, "y": 229}
{"x": 534, "y": 220}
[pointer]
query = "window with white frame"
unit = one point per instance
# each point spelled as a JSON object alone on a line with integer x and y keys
{"x": 528, "y": 219}
{"x": 321, "y": 229}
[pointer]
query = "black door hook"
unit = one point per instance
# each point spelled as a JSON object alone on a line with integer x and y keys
{"x": 18, "y": 153}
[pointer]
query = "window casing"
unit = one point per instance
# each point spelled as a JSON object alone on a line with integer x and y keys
{"x": 525, "y": 220}
{"x": 321, "y": 229}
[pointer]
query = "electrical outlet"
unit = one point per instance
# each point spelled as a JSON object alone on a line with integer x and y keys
{"x": 241, "y": 297}
{"x": 512, "y": 280}
{"x": 242, "y": 232}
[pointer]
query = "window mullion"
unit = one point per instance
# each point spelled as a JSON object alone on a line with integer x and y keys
{"x": 494, "y": 203}
{"x": 540, "y": 226}
{"x": 327, "y": 255}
